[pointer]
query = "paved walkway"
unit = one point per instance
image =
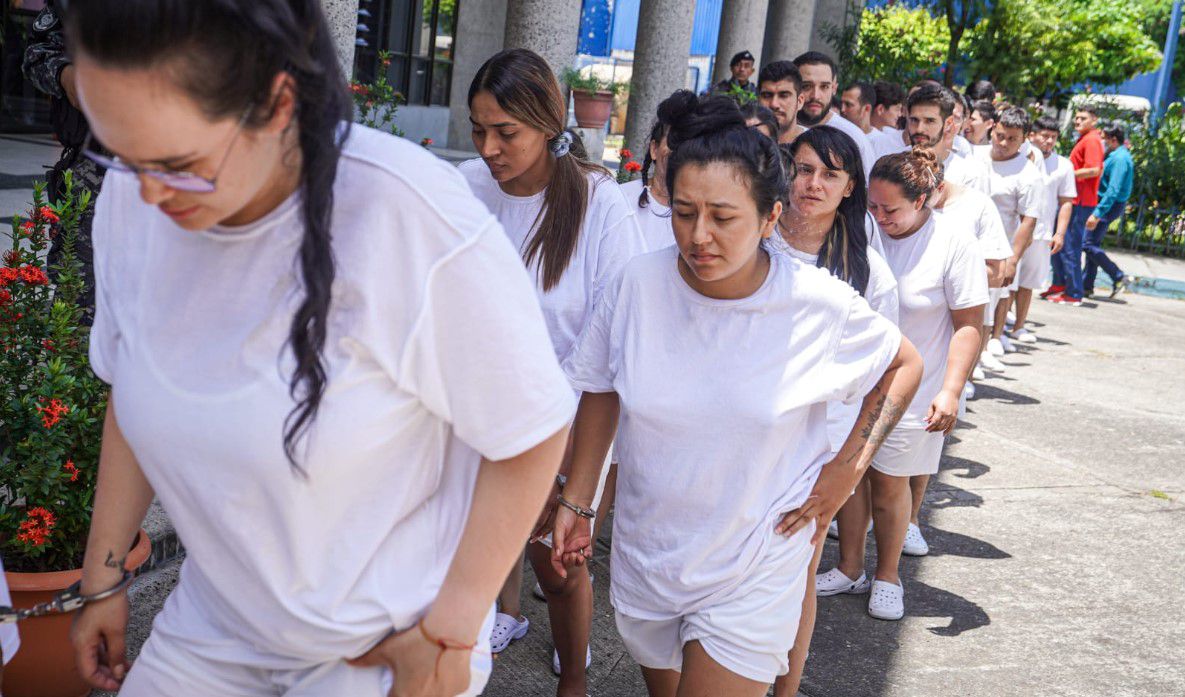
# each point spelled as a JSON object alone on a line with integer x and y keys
{"x": 1055, "y": 527}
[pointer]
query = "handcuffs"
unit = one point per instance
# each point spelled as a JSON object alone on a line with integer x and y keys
{"x": 68, "y": 600}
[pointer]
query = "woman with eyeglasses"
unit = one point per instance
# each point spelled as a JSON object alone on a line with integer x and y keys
{"x": 287, "y": 312}
{"x": 574, "y": 231}
{"x": 720, "y": 359}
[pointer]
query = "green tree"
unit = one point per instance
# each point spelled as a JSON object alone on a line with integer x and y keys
{"x": 1033, "y": 49}
{"x": 894, "y": 43}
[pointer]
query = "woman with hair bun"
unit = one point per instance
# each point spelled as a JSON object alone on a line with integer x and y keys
{"x": 287, "y": 310}
{"x": 574, "y": 231}
{"x": 720, "y": 359}
{"x": 824, "y": 224}
{"x": 649, "y": 192}
{"x": 943, "y": 288}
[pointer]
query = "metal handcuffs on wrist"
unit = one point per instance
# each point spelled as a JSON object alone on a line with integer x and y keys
{"x": 68, "y": 600}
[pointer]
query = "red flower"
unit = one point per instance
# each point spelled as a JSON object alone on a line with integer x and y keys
{"x": 33, "y": 275}
{"x": 72, "y": 469}
{"x": 27, "y": 228}
{"x": 8, "y": 275}
{"x": 47, "y": 344}
{"x": 47, "y": 215}
{"x": 12, "y": 257}
{"x": 632, "y": 167}
{"x": 426, "y": 142}
{"x": 37, "y": 526}
{"x": 626, "y": 154}
{"x": 5, "y": 297}
{"x": 51, "y": 415}
{"x": 359, "y": 88}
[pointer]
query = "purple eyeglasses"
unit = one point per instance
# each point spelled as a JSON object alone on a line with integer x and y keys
{"x": 181, "y": 181}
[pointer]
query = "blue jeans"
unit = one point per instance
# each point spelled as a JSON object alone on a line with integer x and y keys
{"x": 1067, "y": 264}
{"x": 1095, "y": 256}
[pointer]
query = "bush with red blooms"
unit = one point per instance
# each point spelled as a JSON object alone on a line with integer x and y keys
{"x": 51, "y": 404}
{"x": 628, "y": 168}
{"x": 375, "y": 103}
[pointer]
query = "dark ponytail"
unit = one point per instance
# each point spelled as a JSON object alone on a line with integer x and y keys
{"x": 525, "y": 87}
{"x": 845, "y": 249}
{"x": 670, "y": 110}
{"x": 715, "y": 131}
{"x": 227, "y": 55}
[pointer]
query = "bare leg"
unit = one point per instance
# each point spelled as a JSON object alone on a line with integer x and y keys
{"x": 917, "y": 490}
{"x": 1024, "y": 298}
{"x": 660, "y": 682}
{"x": 703, "y": 677}
{"x": 787, "y": 685}
{"x": 569, "y": 606}
{"x": 606, "y": 503}
{"x": 853, "y": 520}
{"x": 984, "y": 335}
{"x": 890, "y": 515}
{"x": 1001, "y": 316}
{"x": 510, "y": 597}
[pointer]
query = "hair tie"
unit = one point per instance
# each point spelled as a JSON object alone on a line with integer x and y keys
{"x": 561, "y": 144}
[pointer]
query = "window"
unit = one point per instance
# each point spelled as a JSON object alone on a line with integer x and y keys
{"x": 420, "y": 34}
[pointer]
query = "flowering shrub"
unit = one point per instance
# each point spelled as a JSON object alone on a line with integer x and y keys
{"x": 628, "y": 167}
{"x": 51, "y": 404}
{"x": 376, "y": 102}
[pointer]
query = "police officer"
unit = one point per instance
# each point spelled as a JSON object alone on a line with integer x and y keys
{"x": 742, "y": 66}
{"x": 48, "y": 67}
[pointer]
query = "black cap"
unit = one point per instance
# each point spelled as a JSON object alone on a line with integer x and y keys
{"x": 742, "y": 56}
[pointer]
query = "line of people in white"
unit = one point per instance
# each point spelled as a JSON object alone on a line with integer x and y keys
{"x": 351, "y": 372}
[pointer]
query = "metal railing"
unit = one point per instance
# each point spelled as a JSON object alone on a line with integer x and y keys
{"x": 1148, "y": 227}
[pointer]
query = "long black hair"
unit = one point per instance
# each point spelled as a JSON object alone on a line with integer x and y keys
{"x": 715, "y": 131}
{"x": 845, "y": 249}
{"x": 670, "y": 110}
{"x": 226, "y": 55}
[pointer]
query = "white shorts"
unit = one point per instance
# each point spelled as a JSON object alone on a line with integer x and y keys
{"x": 750, "y": 633}
{"x": 908, "y": 452}
{"x": 995, "y": 295}
{"x": 1035, "y": 265}
{"x": 172, "y": 665}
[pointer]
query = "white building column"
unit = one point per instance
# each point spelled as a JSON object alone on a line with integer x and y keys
{"x": 343, "y": 24}
{"x": 547, "y": 27}
{"x": 788, "y": 29}
{"x": 481, "y": 29}
{"x": 833, "y": 13}
{"x": 742, "y": 28}
{"x": 661, "y": 55}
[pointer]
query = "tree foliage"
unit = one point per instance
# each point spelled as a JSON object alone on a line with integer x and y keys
{"x": 1158, "y": 156}
{"x": 893, "y": 42}
{"x": 1042, "y": 48}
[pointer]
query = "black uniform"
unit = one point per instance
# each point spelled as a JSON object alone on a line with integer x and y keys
{"x": 44, "y": 60}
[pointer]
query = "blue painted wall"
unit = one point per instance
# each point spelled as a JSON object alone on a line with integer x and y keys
{"x": 623, "y": 26}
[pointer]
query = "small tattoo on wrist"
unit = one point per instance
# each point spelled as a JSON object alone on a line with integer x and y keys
{"x": 113, "y": 562}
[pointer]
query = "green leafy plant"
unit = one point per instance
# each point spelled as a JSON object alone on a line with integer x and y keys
{"x": 582, "y": 81}
{"x": 740, "y": 95}
{"x": 895, "y": 43}
{"x": 376, "y": 102}
{"x": 51, "y": 404}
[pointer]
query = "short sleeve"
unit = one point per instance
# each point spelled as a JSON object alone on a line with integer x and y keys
{"x": 965, "y": 284}
{"x": 882, "y": 288}
{"x": 866, "y": 346}
{"x": 479, "y": 356}
{"x": 589, "y": 365}
{"x": 105, "y": 334}
{"x": 621, "y": 238}
{"x": 1094, "y": 153}
{"x": 1067, "y": 186}
{"x": 1031, "y": 202}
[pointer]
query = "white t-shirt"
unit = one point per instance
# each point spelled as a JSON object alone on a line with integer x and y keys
{"x": 654, "y": 218}
{"x": 1016, "y": 187}
{"x": 719, "y": 437}
{"x": 608, "y": 238}
{"x": 10, "y": 639}
{"x": 961, "y": 146}
{"x": 867, "y": 155}
{"x": 971, "y": 172}
{"x": 888, "y": 142}
{"x": 975, "y": 210}
{"x": 1058, "y": 182}
{"x": 881, "y": 295}
{"x": 939, "y": 268}
{"x": 436, "y": 355}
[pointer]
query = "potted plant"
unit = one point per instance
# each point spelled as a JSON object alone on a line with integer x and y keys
{"x": 51, "y": 425}
{"x": 593, "y": 97}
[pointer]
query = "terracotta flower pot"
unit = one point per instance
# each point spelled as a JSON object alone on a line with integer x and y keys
{"x": 592, "y": 108}
{"x": 44, "y": 664}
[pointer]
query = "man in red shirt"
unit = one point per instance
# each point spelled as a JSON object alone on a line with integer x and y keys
{"x": 1087, "y": 160}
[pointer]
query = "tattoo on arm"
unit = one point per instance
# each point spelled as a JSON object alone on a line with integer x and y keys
{"x": 113, "y": 562}
{"x": 880, "y": 419}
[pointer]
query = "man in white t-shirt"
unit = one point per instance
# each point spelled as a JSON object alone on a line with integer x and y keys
{"x": 1058, "y": 192}
{"x": 779, "y": 89}
{"x": 819, "y": 75}
{"x": 889, "y": 108}
{"x": 1017, "y": 188}
{"x": 856, "y": 104}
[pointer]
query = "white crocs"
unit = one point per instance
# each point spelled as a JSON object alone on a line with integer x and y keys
{"x": 835, "y": 582}
{"x": 887, "y": 601}
{"x": 915, "y": 545}
{"x": 833, "y": 529}
{"x": 555, "y": 660}
{"x": 507, "y": 628}
{"x": 1025, "y": 336}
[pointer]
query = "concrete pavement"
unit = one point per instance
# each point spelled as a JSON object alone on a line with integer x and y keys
{"x": 1055, "y": 528}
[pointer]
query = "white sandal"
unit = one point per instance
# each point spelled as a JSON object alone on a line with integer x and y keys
{"x": 835, "y": 582}
{"x": 887, "y": 600}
